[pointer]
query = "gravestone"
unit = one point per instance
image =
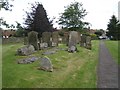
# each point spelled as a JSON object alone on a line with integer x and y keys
{"x": 25, "y": 50}
{"x": 65, "y": 38}
{"x": 33, "y": 39}
{"x": 25, "y": 40}
{"x": 73, "y": 36}
{"x": 28, "y": 60}
{"x": 55, "y": 39}
{"x": 46, "y": 38}
{"x": 88, "y": 42}
{"x": 83, "y": 40}
{"x": 45, "y": 64}
{"x": 79, "y": 38}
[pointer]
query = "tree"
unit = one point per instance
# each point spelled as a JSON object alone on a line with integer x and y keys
{"x": 5, "y": 5}
{"x": 72, "y": 16}
{"x": 37, "y": 20}
{"x": 113, "y": 28}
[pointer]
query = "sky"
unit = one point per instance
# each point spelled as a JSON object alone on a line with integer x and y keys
{"x": 99, "y": 11}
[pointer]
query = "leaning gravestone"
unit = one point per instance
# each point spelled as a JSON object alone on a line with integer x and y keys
{"x": 88, "y": 42}
{"x": 25, "y": 50}
{"x": 33, "y": 39}
{"x": 46, "y": 38}
{"x": 45, "y": 64}
{"x": 55, "y": 39}
{"x": 73, "y": 36}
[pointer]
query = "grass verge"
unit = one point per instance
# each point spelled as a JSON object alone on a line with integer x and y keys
{"x": 113, "y": 48}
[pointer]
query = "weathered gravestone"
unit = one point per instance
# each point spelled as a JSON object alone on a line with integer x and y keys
{"x": 27, "y": 60}
{"x": 55, "y": 39}
{"x": 83, "y": 40}
{"x": 88, "y": 42}
{"x": 73, "y": 36}
{"x": 65, "y": 38}
{"x": 25, "y": 40}
{"x": 33, "y": 39}
{"x": 46, "y": 38}
{"x": 45, "y": 64}
{"x": 25, "y": 50}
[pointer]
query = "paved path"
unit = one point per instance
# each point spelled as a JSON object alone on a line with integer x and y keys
{"x": 107, "y": 69}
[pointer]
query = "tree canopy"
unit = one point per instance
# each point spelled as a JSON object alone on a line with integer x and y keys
{"x": 37, "y": 19}
{"x": 113, "y": 28}
{"x": 72, "y": 16}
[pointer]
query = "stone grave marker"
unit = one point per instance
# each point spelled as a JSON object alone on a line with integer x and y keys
{"x": 73, "y": 36}
{"x": 28, "y": 60}
{"x": 25, "y": 50}
{"x": 83, "y": 40}
{"x": 88, "y": 42}
{"x": 45, "y": 64}
{"x": 46, "y": 38}
{"x": 25, "y": 40}
{"x": 55, "y": 39}
{"x": 33, "y": 39}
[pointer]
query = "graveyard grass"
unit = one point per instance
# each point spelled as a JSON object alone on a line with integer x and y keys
{"x": 113, "y": 48}
{"x": 71, "y": 70}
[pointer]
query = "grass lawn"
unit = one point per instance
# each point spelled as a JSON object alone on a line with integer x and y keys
{"x": 113, "y": 48}
{"x": 71, "y": 70}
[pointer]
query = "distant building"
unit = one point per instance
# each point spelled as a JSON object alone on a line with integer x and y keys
{"x": 92, "y": 31}
{"x": 119, "y": 10}
{"x": 8, "y": 33}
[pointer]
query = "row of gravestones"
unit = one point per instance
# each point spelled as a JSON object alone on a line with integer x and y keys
{"x": 75, "y": 37}
{"x": 48, "y": 40}
{"x": 34, "y": 45}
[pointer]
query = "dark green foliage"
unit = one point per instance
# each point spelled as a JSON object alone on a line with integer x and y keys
{"x": 72, "y": 17}
{"x": 37, "y": 20}
{"x": 113, "y": 28}
{"x": 98, "y": 33}
{"x": 19, "y": 33}
{"x": 33, "y": 39}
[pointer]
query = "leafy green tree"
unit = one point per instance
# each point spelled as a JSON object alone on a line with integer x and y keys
{"x": 37, "y": 20}
{"x": 72, "y": 16}
{"x": 113, "y": 28}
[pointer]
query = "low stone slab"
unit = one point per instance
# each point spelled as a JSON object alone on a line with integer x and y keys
{"x": 25, "y": 50}
{"x": 49, "y": 52}
{"x": 27, "y": 60}
{"x": 45, "y": 64}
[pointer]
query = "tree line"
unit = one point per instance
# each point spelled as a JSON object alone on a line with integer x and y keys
{"x": 71, "y": 19}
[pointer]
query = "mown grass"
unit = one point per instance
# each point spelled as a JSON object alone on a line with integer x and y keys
{"x": 113, "y": 48}
{"x": 71, "y": 70}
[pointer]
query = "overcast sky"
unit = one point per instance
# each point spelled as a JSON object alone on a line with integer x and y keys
{"x": 99, "y": 11}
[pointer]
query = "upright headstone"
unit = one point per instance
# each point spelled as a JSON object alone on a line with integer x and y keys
{"x": 45, "y": 64}
{"x": 33, "y": 39}
{"x": 73, "y": 36}
{"x": 46, "y": 38}
{"x": 25, "y": 40}
{"x": 55, "y": 39}
{"x": 83, "y": 40}
{"x": 88, "y": 42}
